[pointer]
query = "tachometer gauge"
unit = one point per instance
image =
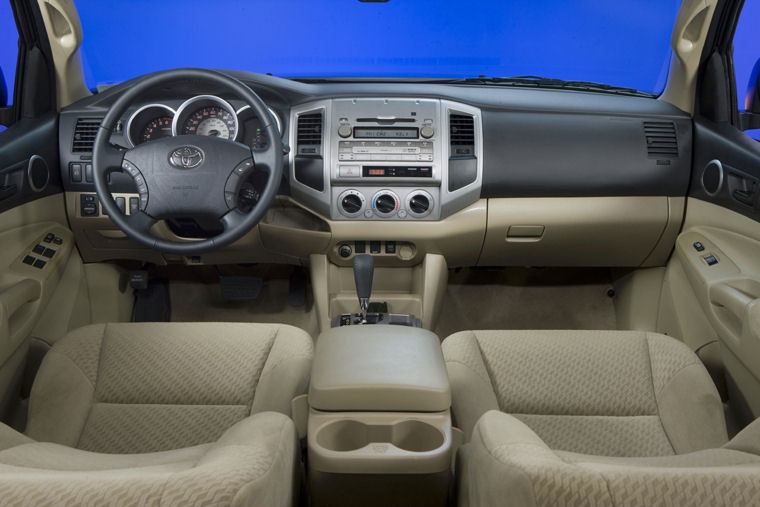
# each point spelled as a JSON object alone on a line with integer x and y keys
{"x": 156, "y": 129}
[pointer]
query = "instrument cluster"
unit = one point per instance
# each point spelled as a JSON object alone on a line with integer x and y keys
{"x": 205, "y": 115}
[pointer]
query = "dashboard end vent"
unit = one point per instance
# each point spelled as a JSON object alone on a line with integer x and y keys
{"x": 461, "y": 130}
{"x": 84, "y": 134}
{"x": 661, "y": 139}
{"x": 309, "y": 133}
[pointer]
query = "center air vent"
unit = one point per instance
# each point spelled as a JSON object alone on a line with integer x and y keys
{"x": 309, "y": 136}
{"x": 661, "y": 138}
{"x": 461, "y": 130}
{"x": 84, "y": 134}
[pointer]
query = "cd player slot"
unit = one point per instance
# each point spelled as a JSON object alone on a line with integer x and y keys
{"x": 386, "y": 121}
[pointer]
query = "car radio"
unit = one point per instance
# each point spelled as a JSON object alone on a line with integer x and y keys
{"x": 386, "y": 139}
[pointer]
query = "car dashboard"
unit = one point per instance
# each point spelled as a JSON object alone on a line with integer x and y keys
{"x": 483, "y": 175}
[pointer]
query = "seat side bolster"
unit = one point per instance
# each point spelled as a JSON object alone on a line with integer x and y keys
{"x": 747, "y": 440}
{"x": 11, "y": 438}
{"x": 691, "y": 412}
{"x": 63, "y": 389}
{"x": 472, "y": 392}
{"x": 490, "y": 478}
{"x": 286, "y": 370}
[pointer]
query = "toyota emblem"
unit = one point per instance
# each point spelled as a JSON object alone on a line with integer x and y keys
{"x": 186, "y": 157}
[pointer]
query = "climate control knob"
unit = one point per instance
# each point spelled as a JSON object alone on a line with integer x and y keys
{"x": 385, "y": 203}
{"x": 351, "y": 203}
{"x": 419, "y": 203}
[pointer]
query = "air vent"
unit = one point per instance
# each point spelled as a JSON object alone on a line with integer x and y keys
{"x": 461, "y": 130}
{"x": 84, "y": 134}
{"x": 662, "y": 141}
{"x": 309, "y": 135}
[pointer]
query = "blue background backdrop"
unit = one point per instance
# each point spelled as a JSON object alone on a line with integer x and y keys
{"x": 627, "y": 42}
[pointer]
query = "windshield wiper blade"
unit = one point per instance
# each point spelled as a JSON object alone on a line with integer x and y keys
{"x": 547, "y": 82}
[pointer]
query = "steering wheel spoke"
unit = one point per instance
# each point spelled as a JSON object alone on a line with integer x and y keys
{"x": 111, "y": 157}
{"x": 140, "y": 221}
{"x": 233, "y": 219}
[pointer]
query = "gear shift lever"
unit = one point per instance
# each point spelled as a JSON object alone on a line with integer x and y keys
{"x": 364, "y": 268}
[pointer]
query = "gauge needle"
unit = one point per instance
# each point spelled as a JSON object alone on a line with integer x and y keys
{"x": 214, "y": 133}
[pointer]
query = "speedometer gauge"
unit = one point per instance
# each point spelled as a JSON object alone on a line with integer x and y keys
{"x": 213, "y": 121}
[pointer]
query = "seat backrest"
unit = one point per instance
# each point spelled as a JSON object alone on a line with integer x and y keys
{"x": 612, "y": 393}
{"x": 146, "y": 387}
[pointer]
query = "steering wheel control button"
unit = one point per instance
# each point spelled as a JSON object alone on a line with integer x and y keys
{"x": 351, "y": 203}
{"x": 244, "y": 167}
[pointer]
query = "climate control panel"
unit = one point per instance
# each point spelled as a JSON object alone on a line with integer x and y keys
{"x": 363, "y": 203}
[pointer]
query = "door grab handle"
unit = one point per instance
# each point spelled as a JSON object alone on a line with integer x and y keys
{"x": 733, "y": 300}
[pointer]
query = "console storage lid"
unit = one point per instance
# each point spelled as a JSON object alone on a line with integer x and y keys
{"x": 379, "y": 368}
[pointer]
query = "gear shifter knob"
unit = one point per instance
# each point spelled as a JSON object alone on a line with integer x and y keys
{"x": 364, "y": 268}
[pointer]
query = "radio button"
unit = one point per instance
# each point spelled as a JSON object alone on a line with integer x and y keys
{"x": 344, "y": 131}
{"x": 427, "y": 131}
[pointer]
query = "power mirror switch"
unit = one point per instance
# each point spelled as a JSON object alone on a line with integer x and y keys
{"x": 698, "y": 246}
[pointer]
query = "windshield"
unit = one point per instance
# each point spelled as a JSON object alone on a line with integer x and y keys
{"x": 622, "y": 43}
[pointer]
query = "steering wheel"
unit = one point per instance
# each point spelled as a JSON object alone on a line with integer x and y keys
{"x": 188, "y": 175}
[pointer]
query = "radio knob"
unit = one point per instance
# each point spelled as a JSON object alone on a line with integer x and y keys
{"x": 344, "y": 131}
{"x": 419, "y": 204}
{"x": 385, "y": 203}
{"x": 351, "y": 204}
{"x": 427, "y": 131}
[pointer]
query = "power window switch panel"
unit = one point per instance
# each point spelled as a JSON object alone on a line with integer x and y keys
{"x": 38, "y": 249}
{"x": 710, "y": 260}
{"x": 49, "y": 253}
{"x": 29, "y": 260}
{"x": 39, "y": 263}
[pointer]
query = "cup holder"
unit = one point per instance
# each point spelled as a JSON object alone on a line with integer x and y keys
{"x": 410, "y": 435}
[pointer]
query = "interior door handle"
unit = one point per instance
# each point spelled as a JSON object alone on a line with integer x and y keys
{"x": 13, "y": 298}
{"x": 733, "y": 300}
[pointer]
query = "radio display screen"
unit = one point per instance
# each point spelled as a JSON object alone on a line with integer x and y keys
{"x": 386, "y": 133}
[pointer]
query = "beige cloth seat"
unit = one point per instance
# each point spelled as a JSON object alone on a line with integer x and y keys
{"x": 593, "y": 418}
{"x": 161, "y": 414}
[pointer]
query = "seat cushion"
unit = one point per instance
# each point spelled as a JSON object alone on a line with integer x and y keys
{"x": 149, "y": 387}
{"x": 252, "y": 463}
{"x": 507, "y": 464}
{"x": 611, "y": 393}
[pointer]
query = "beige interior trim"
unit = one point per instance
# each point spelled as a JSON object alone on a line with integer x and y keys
{"x": 687, "y": 43}
{"x": 64, "y": 32}
{"x": 581, "y": 231}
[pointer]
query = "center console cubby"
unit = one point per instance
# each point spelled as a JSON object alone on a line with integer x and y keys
{"x": 379, "y": 430}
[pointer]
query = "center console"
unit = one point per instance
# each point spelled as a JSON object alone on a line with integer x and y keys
{"x": 379, "y": 428}
{"x": 375, "y": 159}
